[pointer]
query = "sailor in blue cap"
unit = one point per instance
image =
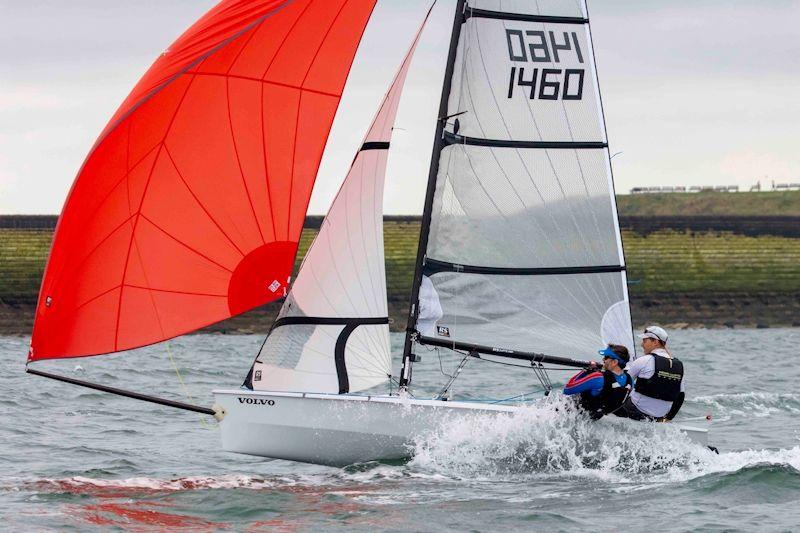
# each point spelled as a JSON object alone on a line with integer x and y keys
{"x": 603, "y": 392}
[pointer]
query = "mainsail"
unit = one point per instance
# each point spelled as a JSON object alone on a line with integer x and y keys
{"x": 520, "y": 237}
{"x": 332, "y": 333}
{"x": 189, "y": 208}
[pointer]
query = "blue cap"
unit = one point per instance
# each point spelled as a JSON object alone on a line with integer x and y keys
{"x": 608, "y": 352}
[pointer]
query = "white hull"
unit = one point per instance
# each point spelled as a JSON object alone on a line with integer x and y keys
{"x": 341, "y": 429}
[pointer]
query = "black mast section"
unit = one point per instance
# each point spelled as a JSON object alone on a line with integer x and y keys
{"x": 438, "y": 144}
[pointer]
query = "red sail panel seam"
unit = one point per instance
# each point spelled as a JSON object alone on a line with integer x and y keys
{"x": 239, "y": 161}
{"x": 297, "y": 118}
{"x": 264, "y": 154}
{"x": 268, "y": 82}
{"x": 93, "y": 298}
{"x": 185, "y": 70}
{"x": 196, "y": 199}
{"x": 253, "y": 32}
{"x": 174, "y": 292}
{"x": 263, "y": 125}
{"x": 57, "y": 276}
{"x": 201, "y": 254}
{"x": 285, "y": 37}
{"x": 99, "y": 244}
{"x": 141, "y": 202}
{"x": 128, "y": 166}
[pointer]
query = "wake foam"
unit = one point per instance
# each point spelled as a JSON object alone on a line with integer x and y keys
{"x": 553, "y": 439}
{"x": 85, "y": 485}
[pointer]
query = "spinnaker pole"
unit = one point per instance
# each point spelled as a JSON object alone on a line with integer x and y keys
{"x": 438, "y": 144}
{"x": 127, "y": 393}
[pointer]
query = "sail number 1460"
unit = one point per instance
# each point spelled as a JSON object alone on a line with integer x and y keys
{"x": 544, "y": 47}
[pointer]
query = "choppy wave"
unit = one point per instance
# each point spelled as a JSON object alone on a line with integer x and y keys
{"x": 758, "y": 404}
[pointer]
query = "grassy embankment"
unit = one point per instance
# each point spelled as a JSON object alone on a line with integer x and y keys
{"x": 677, "y": 276}
{"x": 784, "y": 203}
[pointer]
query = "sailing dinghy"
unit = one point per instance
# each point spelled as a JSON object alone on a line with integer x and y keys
{"x": 189, "y": 208}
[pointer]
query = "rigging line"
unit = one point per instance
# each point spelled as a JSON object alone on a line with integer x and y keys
{"x": 239, "y": 161}
{"x": 455, "y": 375}
{"x": 530, "y": 393}
{"x": 199, "y": 203}
{"x": 183, "y": 385}
{"x": 161, "y": 327}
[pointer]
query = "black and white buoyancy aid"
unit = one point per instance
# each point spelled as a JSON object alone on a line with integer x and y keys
{"x": 665, "y": 383}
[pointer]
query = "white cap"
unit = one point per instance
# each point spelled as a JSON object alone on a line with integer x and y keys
{"x": 655, "y": 332}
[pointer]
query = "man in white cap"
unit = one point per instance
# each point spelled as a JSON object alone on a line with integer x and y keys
{"x": 658, "y": 380}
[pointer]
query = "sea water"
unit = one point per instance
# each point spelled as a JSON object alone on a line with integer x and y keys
{"x": 77, "y": 459}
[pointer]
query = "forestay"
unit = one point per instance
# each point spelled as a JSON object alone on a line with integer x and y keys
{"x": 332, "y": 333}
{"x": 523, "y": 245}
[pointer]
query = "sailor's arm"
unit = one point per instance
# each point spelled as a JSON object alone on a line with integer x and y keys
{"x": 634, "y": 368}
{"x": 676, "y": 405}
{"x": 584, "y": 381}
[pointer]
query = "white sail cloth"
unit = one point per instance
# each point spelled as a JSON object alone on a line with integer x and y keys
{"x": 332, "y": 333}
{"x": 524, "y": 248}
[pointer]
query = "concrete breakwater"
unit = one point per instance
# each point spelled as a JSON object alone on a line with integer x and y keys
{"x": 688, "y": 270}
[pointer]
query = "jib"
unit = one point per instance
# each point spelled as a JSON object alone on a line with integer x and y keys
{"x": 256, "y": 401}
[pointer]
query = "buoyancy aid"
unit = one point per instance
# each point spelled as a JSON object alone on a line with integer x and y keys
{"x": 611, "y": 398}
{"x": 665, "y": 383}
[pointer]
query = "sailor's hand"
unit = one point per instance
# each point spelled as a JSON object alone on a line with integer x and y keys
{"x": 593, "y": 366}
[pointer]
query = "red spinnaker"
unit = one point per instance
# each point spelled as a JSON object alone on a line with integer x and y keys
{"x": 189, "y": 207}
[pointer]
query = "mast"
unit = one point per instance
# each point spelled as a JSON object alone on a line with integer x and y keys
{"x": 438, "y": 144}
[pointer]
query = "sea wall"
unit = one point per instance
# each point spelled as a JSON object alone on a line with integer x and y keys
{"x": 687, "y": 270}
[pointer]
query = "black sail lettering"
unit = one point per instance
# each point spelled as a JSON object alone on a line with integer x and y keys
{"x": 532, "y": 83}
{"x": 548, "y": 90}
{"x": 540, "y": 52}
{"x": 511, "y": 37}
{"x": 555, "y": 47}
{"x": 577, "y": 47}
{"x": 577, "y": 93}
